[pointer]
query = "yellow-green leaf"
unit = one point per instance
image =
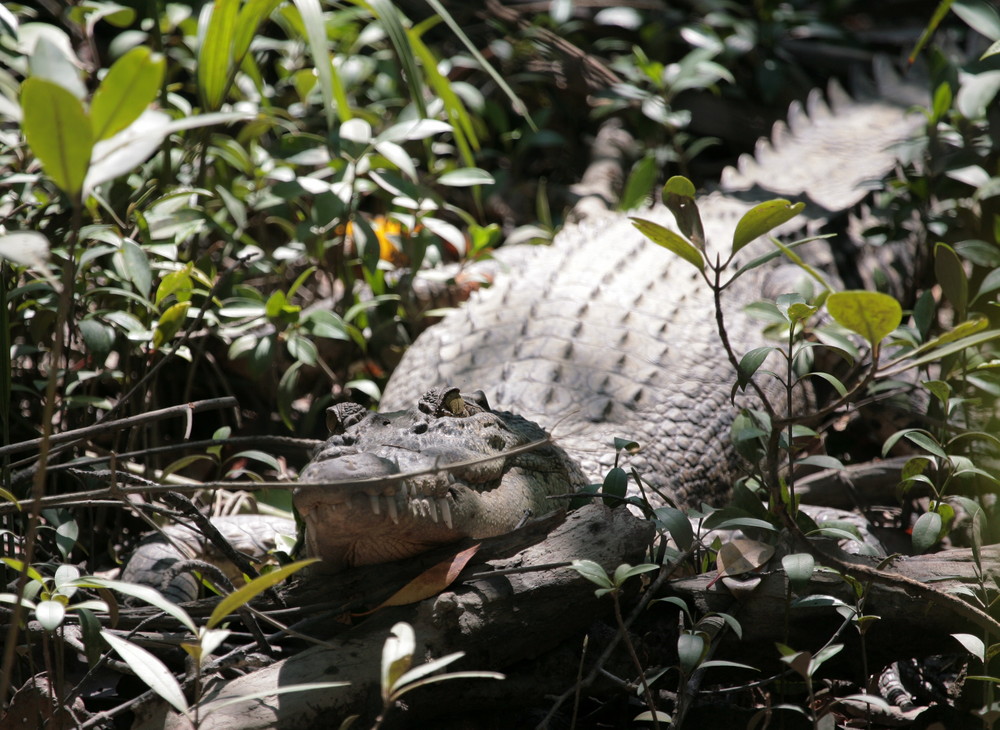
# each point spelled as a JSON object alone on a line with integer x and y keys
{"x": 170, "y": 322}
{"x": 762, "y": 218}
{"x": 669, "y": 240}
{"x": 872, "y": 315}
{"x": 678, "y": 196}
{"x": 215, "y": 53}
{"x": 241, "y": 597}
{"x": 131, "y": 84}
{"x": 58, "y": 131}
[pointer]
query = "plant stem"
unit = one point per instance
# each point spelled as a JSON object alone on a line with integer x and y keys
{"x": 647, "y": 694}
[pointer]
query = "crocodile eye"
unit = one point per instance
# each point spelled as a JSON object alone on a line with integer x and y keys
{"x": 342, "y": 416}
{"x": 454, "y": 403}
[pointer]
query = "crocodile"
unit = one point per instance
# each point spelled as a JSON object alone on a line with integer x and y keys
{"x": 602, "y": 334}
{"x": 386, "y": 486}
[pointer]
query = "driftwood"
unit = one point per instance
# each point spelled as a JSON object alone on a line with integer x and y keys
{"x": 496, "y": 621}
{"x": 909, "y": 626}
{"x": 528, "y": 624}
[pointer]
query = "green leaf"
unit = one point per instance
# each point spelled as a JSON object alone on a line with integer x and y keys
{"x": 762, "y": 218}
{"x": 135, "y": 266}
{"x": 50, "y": 614}
{"x": 678, "y": 196}
{"x": 926, "y": 531}
{"x": 465, "y": 177}
{"x": 799, "y": 568}
{"x": 671, "y": 241}
{"x": 677, "y": 524}
{"x": 951, "y": 276}
{"x": 244, "y": 595}
{"x": 215, "y": 53}
{"x": 690, "y": 651}
{"x": 132, "y": 83}
{"x": 872, "y": 315}
{"x": 615, "y": 486}
{"x": 625, "y": 571}
{"x": 750, "y": 363}
{"x": 593, "y": 572}
{"x": 58, "y": 131}
{"x": 981, "y": 16}
{"x": 639, "y": 183}
{"x": 150, "y": 670}
{"x": 169, "y": 324}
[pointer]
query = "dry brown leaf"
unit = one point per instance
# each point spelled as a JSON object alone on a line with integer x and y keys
{"x": 429, "y": 583}
{"x": 741, "y": 556}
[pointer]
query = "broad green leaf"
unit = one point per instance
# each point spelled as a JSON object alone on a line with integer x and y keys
{"x": 169, "y": 324}
{"x": 625, "y": 571}
{"x": 250, "y": 17}
{"x": 690, "y": 651}
{"x": 677, "y": 524}
{"x": 178, "y": 283}
{"x": 799, "y": 568}
{"x": 50, "y": 614}
{"x": 465, "y": 177}
{"x": 150, "y": 670}
{"x": 134, "y": 266}
{"x": 639, "y": 183}
{"x": 132, "y": 83}
{"x": 334, "y": 98}
{"x": 215, "y": 52}
{"x": 762, "y": 218}
{"x": 58, "y": 131}
{"x": 951, "y": 276}
{"x": 750, "y": 363}
{"x": 678, "y": 196}
{"x": 872, "y": 315}
{"x": 926, "y": 531}
{"x": 671, "y": 241}
{"x": 593, "y": 572}
{"x": 244, "y": 595}
{"x": 615, "y": 486}
{"x": 981, "y": 16}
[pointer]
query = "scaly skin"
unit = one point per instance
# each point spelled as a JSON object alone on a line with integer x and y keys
{"x": 402, "y": 497}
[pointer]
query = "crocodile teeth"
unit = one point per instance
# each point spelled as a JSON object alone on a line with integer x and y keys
{"x": 431, "y": 509}
{"x": 402, "y": 490}
{"x": 445, "y": 508}
{"x": 390, "y": 508}
{"x": 373, "y": 498}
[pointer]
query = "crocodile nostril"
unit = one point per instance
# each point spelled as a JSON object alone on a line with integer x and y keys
{"x": 420, "y": 427}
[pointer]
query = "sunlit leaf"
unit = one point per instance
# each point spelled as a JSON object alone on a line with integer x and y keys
{"x": 58, "y": 131}
{"x": 244, "y": 595}
{"x": 429, "y": 583}
{"x": 763, "y": 218}
{"x": 150, "y": 670}
{"x": 872, "y": 315}
{"x": 670, "y": 240}
{"x": 131, "y": 84}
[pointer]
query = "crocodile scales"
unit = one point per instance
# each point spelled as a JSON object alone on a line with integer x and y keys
{"x": 603, "y": 334}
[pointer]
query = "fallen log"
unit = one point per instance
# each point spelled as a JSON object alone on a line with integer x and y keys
{"x": 497, "y": 621}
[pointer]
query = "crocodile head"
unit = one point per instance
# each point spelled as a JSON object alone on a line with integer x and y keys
{"x": 387, "y": 486}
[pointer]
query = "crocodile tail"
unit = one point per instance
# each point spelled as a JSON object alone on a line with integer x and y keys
{"x": 835, "y": 148}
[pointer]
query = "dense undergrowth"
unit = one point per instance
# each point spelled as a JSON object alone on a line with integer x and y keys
{"x": 229, "y": 203}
